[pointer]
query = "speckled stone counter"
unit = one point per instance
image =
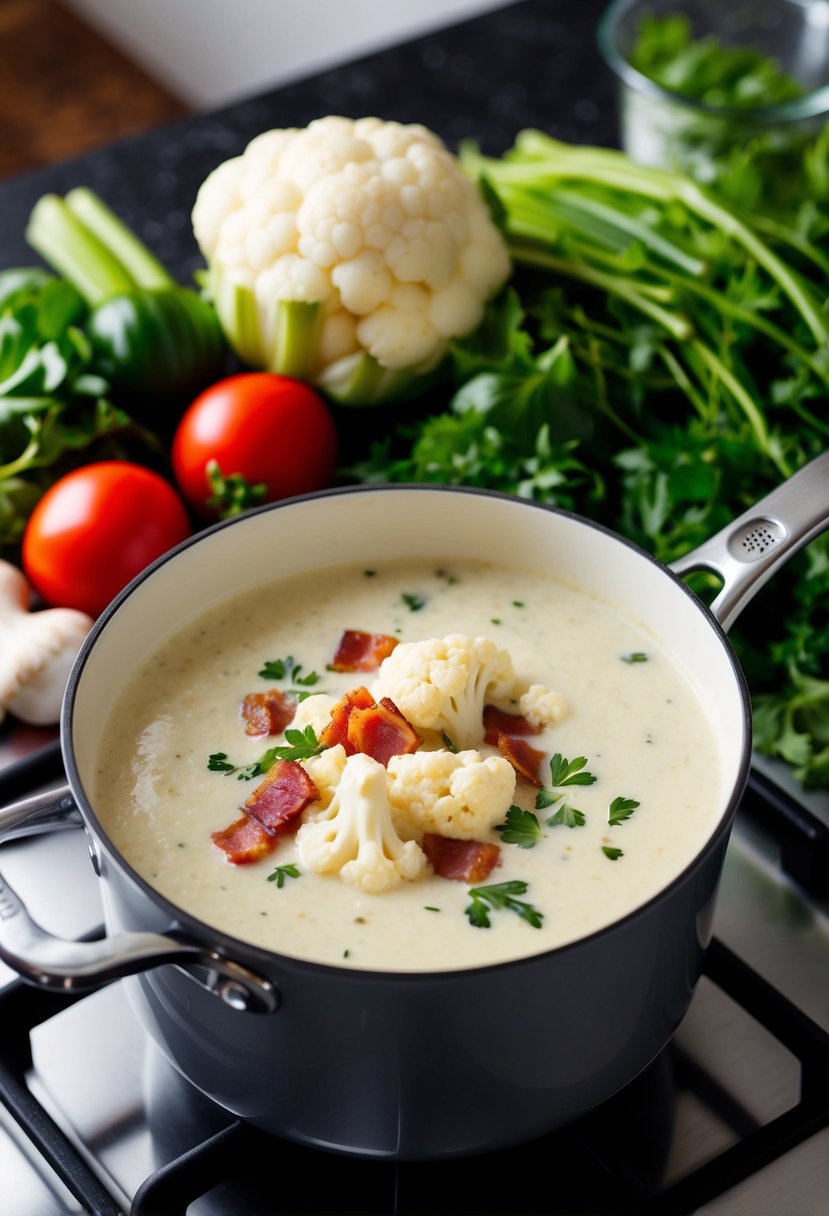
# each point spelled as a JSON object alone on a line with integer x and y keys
{"x": 533, "y": 63}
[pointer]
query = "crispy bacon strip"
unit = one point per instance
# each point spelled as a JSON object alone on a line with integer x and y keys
{"x": 498, "y": 722}
{"x": 361, "y": 651}
{"x": 245, "y": 841}
{"x": 285, "y": 792}
{"x": 381, "y": 731}
{"x": 278, "y": 800}
{"x": 463, "y": 860}
{"x": 267, "y": 713}
{"x": 526, "y": 760}
{"x": 337, "y": 729}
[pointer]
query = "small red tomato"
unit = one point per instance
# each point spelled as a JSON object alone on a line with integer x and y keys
{"x": 95, "y": 529}
{"x": 271, "y": 431}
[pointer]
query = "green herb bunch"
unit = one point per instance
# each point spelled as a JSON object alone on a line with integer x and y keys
{"x": 659, "y": 361}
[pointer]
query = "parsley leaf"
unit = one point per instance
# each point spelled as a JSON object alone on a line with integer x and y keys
{"x": 611, "y": 853}
{"x": 449, "y": 743}
{"x": 501, "y": 895}
{"x": 636, "y": 656}
{"x": 282, "y": 872}
{"x": 413, "y": 602}
{"x": 521, "y": 828}
{"x": 218, "y": 762}
{"x": 568, "y": 817}
{"x": 276, "y": 669}
{"x": 299, "y": 745}
{"x": 562, "y": 773}
{"x": 621, "y": 809}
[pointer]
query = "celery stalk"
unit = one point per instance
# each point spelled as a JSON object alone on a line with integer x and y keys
{"x": 144, "y": 268}
{"x": 69, "y": 247}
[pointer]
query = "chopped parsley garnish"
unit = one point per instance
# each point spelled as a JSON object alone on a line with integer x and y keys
{"x": 412, "y": 601}
{"x": 636, "y": 656}
{"x": 610, "y": 852}
{"x": 567, "y": 816}
{"x": 621, "y": 809}
{"x": 288, "y": 668}
{"x": 430, "y": 908}
{"x": 448, "y": 577}
{"x": 497, "y": 896}
{"x": 521, "y": 827}
{"x": 495, "y": 620}
{"x": 299, "y": 745}
{"x": 518, "y": 603}
{"x": 562, "y": 773}
{"x": 449, "y": 743}
{"x": 218, "y": 762}
{"x": 282, "y": 872}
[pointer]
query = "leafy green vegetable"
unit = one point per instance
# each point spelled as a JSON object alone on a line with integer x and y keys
{"x": 54, "y": 410}
{"x": 298, "y": 745}
{"x": 612, "y": 853}
{"x": 563, "y": 773}
{"x": 521, "y": 827}
{"x": 414, "y": 602}
{"x": 659, "y": 361}
{"x": 567, "y": 816}
{"x": 157, "y": 343}
{"x": 707, "y": 70}
{"x": 720, "y": 128}
{"x": 288, "y": 668}
{"x": 282, "y": 872}
{"x": 636, "y": 656}
{"x": 497, "y": 896}
{"x": 621, "y": 809}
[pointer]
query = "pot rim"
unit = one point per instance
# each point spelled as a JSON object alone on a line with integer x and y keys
{"x": 233, "y": 946}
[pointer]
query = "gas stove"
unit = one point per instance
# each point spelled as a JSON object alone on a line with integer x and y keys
{"x": 731, "y": 1119}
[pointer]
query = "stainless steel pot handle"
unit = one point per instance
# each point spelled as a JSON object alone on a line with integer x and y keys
{"x": 748, "y": 551}
{"x": 58, "y": 964}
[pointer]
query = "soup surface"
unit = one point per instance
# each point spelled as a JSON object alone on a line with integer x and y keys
{"x": 632, "y": 723}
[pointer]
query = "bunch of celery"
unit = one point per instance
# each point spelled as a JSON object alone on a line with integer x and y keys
{"x": 659, "y": 362}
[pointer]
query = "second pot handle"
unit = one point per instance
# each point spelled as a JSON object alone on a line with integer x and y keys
{"x": 61, "y": 965}
{"x": 748, "y": 551}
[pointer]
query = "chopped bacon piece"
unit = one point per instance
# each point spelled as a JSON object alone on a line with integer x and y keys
{"x": 464, "y": 860}
{"x": 267, "y": 713}
{"x": 360, "y": 651}
{"x": 245, "y": 841}
{"x": 337, "y": 729}
{"x": 526, "y": 760}
{"x": 285, "y": 792}
{"x": 497, "y": 722}
{"x": 381, "y": 731}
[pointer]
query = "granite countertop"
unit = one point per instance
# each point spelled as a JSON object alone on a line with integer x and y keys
{"x": 532, "y": 63}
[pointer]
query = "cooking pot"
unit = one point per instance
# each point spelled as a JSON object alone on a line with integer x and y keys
{"x": 409, "y": 1066}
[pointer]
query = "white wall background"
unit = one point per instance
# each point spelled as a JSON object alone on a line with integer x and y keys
{"x": 209, "y": 52}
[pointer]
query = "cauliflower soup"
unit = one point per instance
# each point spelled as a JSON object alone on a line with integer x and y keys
{"x": 413, "y": 767}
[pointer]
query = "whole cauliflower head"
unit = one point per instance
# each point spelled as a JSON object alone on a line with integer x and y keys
{"x": 372, "y": 228}
{"x": 453, "y": 794}
{"x": 443, "y": 684}
{"x": 355, "y": 837}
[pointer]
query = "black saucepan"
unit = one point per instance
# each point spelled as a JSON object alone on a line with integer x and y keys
{"x": 400, "y": 1065}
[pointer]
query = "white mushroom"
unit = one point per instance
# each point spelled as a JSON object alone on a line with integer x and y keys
{"x": 37, "y": 650}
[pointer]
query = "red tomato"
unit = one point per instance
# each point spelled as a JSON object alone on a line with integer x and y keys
{"x": 96, "y": 528}
{"x": 269, "y": 429}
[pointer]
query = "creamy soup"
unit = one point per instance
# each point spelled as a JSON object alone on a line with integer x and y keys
{"x": 172, "y": 762}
